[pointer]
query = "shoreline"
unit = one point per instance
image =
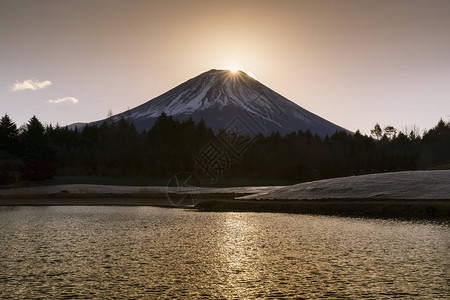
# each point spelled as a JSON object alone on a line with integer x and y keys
{"x": 419, "y": 194}
{"x": 429, "y": 209}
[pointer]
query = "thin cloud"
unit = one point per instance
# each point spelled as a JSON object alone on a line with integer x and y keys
{"x": 30, "y": 84}
{"x": 65, "y": 99}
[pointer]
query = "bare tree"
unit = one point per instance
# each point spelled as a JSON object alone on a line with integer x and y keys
{"x": 412, "y": 132}
{"x": 390, "y": 132}
{"x": 376, "y": 132}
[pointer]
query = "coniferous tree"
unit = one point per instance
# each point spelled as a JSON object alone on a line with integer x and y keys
{"x": 8, "y": 134}
{"x": 38, "y": 154}
{"x": 117, "y": 148}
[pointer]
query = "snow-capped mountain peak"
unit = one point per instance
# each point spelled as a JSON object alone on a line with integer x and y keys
{"x": 218, "y": 96}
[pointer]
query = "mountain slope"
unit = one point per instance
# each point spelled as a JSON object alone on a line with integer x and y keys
{"x": 223, "y": 98}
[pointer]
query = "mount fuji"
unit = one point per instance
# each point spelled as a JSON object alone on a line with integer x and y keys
{"x": 221, "y": 98}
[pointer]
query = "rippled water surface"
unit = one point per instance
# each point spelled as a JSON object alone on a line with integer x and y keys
{"x": 135, "y": 252}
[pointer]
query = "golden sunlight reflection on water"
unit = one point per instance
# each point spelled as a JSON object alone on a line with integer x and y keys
{"x": 135, "y": 252}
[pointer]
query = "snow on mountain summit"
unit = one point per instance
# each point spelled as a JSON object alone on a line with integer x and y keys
{"x": 219, "y": 96}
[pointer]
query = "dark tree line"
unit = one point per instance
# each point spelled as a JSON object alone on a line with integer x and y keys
{"x": 38, "y": 152}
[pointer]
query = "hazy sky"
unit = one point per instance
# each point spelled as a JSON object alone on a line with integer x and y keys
{"x": 354, "y": 63}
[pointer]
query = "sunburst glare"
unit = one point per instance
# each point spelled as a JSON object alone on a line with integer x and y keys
{"x": 234, "y": 69}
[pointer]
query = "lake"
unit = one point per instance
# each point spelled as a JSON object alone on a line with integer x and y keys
{"x": 135, "y": 252}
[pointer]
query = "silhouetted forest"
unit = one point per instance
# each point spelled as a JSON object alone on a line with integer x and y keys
{"x": 36, "y": 152}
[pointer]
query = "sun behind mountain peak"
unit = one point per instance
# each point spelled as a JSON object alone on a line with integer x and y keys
{"x": 234, "y": 70}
